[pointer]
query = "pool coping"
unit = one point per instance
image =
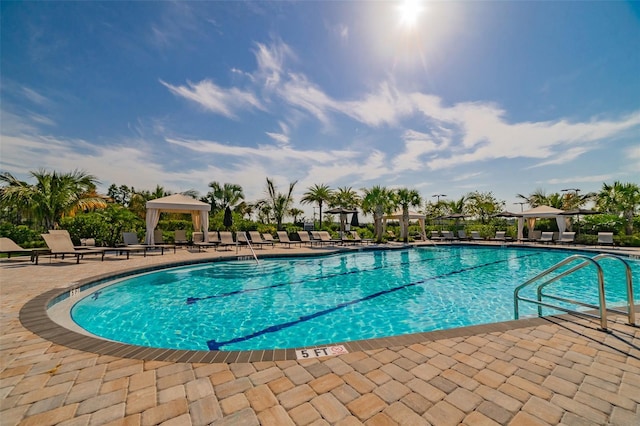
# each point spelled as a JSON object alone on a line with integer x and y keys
{"x": 35, "y": 318}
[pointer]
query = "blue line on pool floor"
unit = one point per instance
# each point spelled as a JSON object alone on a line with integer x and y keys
{"x": 215, "y": 346}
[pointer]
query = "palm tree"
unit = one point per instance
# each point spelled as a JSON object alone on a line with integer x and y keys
{"x": 53, "y": 196}
{"x": 318, "y": 194}
{"x": 407, "y": 198}
{"x": 280, "y": 203}
{"x": 622, "y": 199}
{"x": 378, "y": 201}
{"x": 345, "y": 197}
{"x": 223, "y": 196}
{"x": 295, "y": 212}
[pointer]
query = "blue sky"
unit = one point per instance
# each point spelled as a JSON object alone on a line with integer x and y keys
{"x": 507, "y": 97}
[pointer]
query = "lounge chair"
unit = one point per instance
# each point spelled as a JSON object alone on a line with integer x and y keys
{"x": 605, "y": 239}
{"x": 547, "y": 237}
{"x": 266, "y": 236}
{"x": 61, "y": 244}
{"x": 325, "y": 237}
{"x": 567, "y": 238}
{"x": 283, "y": 238}
{"x": 9, "y": 247}
{"x": 158, "y": 237}
{"x": 256, "y": 239}
{"x": 501, "y": 236}
{"x": 357, "y": 238}
{"x": 448, "y": 235}
{"x": 435, "y": 235}
{"x": 198, "y": 240}
{"x": 534, "y": 235}
{"x": 305, "y": 239}
{"x": 130, "y": 240}
{"x": 180, "y": 237}
{"x": 462, "y": 235}
{"x": 226, "y": 239}
{"x": 475, "y": 236}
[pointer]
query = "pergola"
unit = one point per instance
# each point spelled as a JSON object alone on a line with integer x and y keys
{"x": 177, "y": 203}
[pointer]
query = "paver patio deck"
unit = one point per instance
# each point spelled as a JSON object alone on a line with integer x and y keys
{"x": 547, "y": 372}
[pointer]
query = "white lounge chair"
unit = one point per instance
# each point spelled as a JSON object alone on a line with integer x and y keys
{"x": 605, "y": 239}
{"x": 547, "y": 237}
{"x": 567, "y": 238}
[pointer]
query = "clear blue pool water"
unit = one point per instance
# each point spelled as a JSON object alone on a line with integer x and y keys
{"x": 296, "y": 302}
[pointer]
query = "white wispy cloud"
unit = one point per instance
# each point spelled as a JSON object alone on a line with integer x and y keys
{"x": 215, "y": 98}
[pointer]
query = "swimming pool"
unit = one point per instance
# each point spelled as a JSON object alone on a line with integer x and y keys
{"x": 298, "y": 302}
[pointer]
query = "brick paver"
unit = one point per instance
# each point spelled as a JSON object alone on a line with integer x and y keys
{"x": 552, "y": 373}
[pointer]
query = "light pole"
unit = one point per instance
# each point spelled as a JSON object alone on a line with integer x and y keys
{"x": 521, "y": 204}
{"x": 438, "y": 196}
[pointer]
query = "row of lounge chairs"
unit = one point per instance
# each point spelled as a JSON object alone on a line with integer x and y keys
{"x": 604, "y": 238}
{"x": 256, "y": 239}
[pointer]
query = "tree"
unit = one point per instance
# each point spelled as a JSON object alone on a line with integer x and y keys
{"x": 378, "y": 201}
{"x": 622, "y": 199}
{"x": 407, "y": 198}
{"x": 279, "y": 203}
{"x": 295, "y": 213}
{"x": 223, "y": 196}
{"x": 345, "y": 197}
{"x": 483, "y": 205}
{"x": 53, "y": 196}
{"x": 318, "y": 194}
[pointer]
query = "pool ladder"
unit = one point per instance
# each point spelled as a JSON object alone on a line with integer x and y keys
{"x": 584, "y": 262}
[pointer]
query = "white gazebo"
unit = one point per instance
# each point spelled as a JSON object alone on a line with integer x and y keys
{"x": 177, "y": 203}
{"x": 412, "y": 216}
{"x": 540, "y": 211}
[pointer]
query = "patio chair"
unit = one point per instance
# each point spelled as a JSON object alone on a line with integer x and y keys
{"x": 501, "y": 236}
{"x": 131, "y": 243}
{"x": 198, "y": 240}
{"x": 448, "y": 235}
{"x": 435, "y": 235}
{"x": 475, "y": 236}
{"x": 534, "y": 235}
{"x": 226, "y": 239}
{"x": 158, "y": 237}
{"x": 61, "y": 244}
{"x": 180, "y": 237}
{"x": 266, "y": 236}
{"x": 357, "y": 238}
{"x": 305, "y": 239}
{"x": 256, "y": 239}
{"x": 9, "y": 247}
{"x": 283, "y": 238}
{"x": 605, "y": 239}
{"x": 546, "y": 238}
{"x": 462, "y": 235}
{"x": 567, "y": 238}
{"x": 326, "y": 238}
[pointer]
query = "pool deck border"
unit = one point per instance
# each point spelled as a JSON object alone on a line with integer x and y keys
{"x": 34, "y": 316}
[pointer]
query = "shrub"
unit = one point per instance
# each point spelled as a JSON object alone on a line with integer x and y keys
{"x": 105, "y": 226}
{"x": 21, "y": 235}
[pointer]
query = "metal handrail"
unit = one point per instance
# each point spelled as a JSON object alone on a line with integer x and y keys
{"x": 251, "y": 248}
{"x": 602, "y": 305}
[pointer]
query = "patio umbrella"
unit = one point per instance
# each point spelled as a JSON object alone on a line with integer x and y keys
{"x": 506, "y": 214}
{"x": 228, "y": 219}
{"x": 354, "y": 219}
{"x": 578, "y": 212}
{"x": 342, "y": 211}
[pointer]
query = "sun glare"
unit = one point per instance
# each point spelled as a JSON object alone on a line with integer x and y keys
{"x": 409, "y": 11}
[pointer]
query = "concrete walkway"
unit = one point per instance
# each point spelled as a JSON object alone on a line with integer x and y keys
{"x": 555, "y": 372}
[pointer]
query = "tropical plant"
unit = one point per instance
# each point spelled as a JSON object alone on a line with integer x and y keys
{"x": 620, "y": 198}
{"x": 317, "y": 194}
{"x": 53, "y": 196}
{"x": 483, "y": 205}
{"x": 280, "y": 203}
{"x": 295, "y": 213}
{"x": 378, "y": 201}
{"x": 222, "y": 196}
{"x": 407, "y": 198}
{"x": 345, "y": 197}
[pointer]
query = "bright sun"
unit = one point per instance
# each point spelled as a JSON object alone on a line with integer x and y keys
{"x": 409, "y": 12}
